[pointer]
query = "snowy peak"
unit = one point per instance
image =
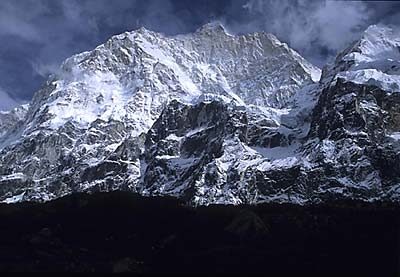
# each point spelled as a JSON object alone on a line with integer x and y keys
{"x": 377, "y": 44}
{"x": 133, "y": 75}
{"x": 212, "y": 117}
{"x": 379, "y": 41}
{"x": 372, "y": 60}
{"x": 356, "y": 119}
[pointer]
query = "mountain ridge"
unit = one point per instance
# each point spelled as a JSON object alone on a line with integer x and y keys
{"x": 211, "y": 118}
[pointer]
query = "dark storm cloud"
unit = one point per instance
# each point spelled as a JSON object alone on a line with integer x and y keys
{"x": 36, "y": 35}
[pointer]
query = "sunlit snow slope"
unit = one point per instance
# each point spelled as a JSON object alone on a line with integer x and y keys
{"x": 209, "y": 117}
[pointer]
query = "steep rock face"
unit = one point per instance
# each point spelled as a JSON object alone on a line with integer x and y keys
{"x": 352, "y": 149}
{"x": 132, "y": 76}
{"x": 354, "y": 130}
{"x": 213, "y": 118}
{"x": 202, "y": 153}
{"x": 86, "y": 128}
{"x": 184, "y": 142}
{"x": 10, "y": 122}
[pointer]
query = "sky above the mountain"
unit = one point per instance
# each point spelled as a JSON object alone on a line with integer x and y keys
{"x": 37, "y": 35}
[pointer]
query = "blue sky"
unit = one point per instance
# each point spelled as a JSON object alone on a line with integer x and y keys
{"x": 37, "y": 35}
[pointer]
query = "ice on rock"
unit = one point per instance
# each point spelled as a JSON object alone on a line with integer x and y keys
{"x": 375, "y": 59}
{"x": 395, "y": 135}
{"x": 14, "y": 199}
{"x": 211, "y": 117}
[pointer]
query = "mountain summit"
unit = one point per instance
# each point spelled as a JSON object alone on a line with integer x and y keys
{"x": 208, "y": 117}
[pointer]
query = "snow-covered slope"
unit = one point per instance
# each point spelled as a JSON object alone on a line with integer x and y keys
{"x": 373, "y": 60}
{"x": 131, "y": 77}
{"x": 209, "y": 117}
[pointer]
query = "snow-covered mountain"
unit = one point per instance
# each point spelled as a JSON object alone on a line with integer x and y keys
{"x": 211, "y": 118}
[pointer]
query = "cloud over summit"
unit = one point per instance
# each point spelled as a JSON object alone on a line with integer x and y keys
{"x": 37, "y": 35}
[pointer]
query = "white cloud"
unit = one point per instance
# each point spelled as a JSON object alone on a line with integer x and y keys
{"x": 311, "y": 25}
{"x": 44, "y": 69}
{"x": 6, "y": 102}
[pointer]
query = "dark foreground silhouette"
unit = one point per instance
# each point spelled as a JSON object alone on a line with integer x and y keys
{"x": 123, "y": 232}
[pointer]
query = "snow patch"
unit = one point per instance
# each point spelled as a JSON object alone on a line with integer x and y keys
{"x": 277, "y": 153}
{"x": 372, "y": 77}
{"x": 395, "y": 135}
{"x": 15, "y": 176}
{"x": 14, "y": 199}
